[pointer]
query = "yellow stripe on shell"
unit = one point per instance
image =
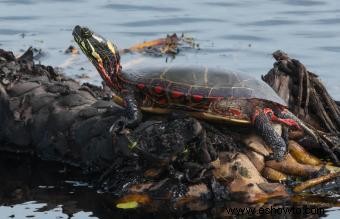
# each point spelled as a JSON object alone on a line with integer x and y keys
{"x": 200, "y": 115}
{"x": 220, "y": 119}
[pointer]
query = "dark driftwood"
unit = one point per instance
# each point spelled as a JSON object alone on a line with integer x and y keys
{"x": 312, "y": 102}
{"x": 44, "y": 113}
{"x": 308, "y": 99}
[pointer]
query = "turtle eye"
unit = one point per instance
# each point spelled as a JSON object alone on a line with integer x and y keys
{"x": 86, "y": 33}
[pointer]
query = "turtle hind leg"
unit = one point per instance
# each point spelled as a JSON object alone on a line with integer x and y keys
{"x": 263, "y": 127}
{"x": 132, "y": 114}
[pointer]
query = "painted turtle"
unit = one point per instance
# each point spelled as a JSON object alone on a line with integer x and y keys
{"x": 207, "y": 93}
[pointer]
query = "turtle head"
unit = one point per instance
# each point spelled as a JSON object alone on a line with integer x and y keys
{"x": 102, "y": 53}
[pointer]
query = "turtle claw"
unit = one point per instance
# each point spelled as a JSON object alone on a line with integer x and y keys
{"x": 119, "y": 125}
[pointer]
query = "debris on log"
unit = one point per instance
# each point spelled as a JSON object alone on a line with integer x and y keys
{"x": 170, "y": 45}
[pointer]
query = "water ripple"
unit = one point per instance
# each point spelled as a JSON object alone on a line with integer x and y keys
{"x": 328, "y": 21}
{"x": 244, "y": 37}
{"x": 271, "y": 22}
{"x": 169, "y": 21}
{"x": 25, "y": 2}
{"x": 224, "y": 4}
{"x": 10, "y": 31}
{"x": 315, "y": 34}
{"x": 306, "y": 12}
{"x": 18, "y": 18}
{"x": 304, "y": 2}
{"x": 212, "y": 50}
{"x": 157, "y": 33}
{"x": 130, "y": 7}
{"x": 331, "y": 48}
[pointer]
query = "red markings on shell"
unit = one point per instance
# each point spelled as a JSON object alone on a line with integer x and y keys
{"x": 197, "y": 98}
{"x": 176, "y": 94}
{"x": 158, "y": 89}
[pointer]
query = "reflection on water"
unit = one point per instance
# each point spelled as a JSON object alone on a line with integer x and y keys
{"x": 46, "y": 190}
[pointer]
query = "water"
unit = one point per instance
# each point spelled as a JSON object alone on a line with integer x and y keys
{"x": 48, "y": 190}
{"x": 238, "y": 35}
{"x": 235, "y": 34}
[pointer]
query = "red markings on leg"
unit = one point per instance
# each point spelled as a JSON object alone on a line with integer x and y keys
{"x": 289, "y": 122}
{"x": 269, "y": 112}
{"x": 256, "y": 113}
{"x": 272, "y": 117}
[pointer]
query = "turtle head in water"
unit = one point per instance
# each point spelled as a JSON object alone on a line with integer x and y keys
{"x": 101, "y": 52}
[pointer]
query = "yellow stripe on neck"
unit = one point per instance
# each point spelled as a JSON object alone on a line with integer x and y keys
{"x": 111, "y": 47}
{"x": 95, "y": 54}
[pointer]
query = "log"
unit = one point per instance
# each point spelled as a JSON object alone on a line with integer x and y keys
{"x": 53, "y": 116}
{"x": 50, "y": 116}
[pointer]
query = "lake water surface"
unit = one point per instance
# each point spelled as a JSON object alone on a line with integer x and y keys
{"x": 236, "y": 34}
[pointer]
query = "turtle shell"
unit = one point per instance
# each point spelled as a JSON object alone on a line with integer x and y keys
{"x": 214, "y": 81}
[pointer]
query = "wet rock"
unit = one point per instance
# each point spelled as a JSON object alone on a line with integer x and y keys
{"x": 82, "y": 76}
{"x": 7, "y": 55}
{"x": 71, "y": 50}
{"x": 44, "y": 110}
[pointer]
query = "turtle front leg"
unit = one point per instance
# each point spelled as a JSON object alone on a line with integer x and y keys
{"x": 263, "y": 127}
{"x": 132, "y": 114}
